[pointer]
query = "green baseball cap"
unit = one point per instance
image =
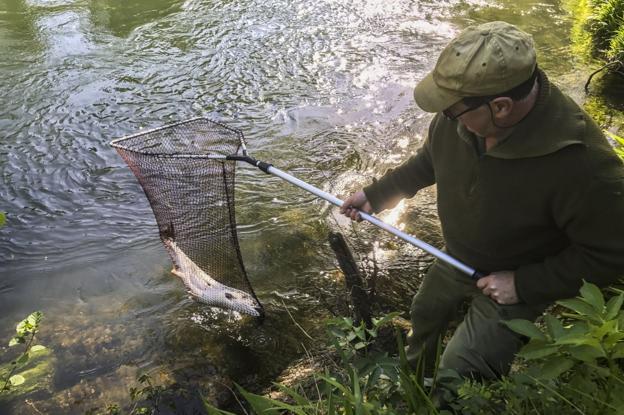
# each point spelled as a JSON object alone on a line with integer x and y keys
{"x": 482, "y": 60}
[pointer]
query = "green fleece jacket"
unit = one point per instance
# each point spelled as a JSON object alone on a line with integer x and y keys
{"x": 547, "y": 202}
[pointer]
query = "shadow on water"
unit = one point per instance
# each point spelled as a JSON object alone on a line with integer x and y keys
{"x": 121, "y": 17}
{"x": 18, "y": 27}
{"x": 546, "y": 21}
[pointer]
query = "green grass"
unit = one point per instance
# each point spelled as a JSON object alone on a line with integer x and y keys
{"x": 605, "y": 23}
{"x": 616, "y": 46}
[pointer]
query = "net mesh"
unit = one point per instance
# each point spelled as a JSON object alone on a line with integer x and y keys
{"x": 192, "y": 196}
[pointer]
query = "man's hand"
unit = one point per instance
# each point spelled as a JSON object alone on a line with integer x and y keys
{"x": 500, "y": 287}
{"x": 359, "y": 201}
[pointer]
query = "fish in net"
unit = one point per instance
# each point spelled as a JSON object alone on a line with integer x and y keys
{"x": 190, "y": 187}
{"x": 187, "y": 172}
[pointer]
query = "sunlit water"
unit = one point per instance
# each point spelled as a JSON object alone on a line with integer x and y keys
{"x": 322, "y": 90}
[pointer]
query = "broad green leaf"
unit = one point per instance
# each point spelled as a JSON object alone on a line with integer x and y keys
{"x": 17, "y": 380}
{"x": 555, "y": 367}
{"x": 614, "y": 305}
{"x": 526, "y": 328}
{"x": 361, "y": 333}
{"x": 359, "y": 345}
{"x": 23, "y": 327}
{"x": 592, "y": 294}
{"x": 260, "y": 404}
{"x": 23, "y": 358}
{"x": 211, "y": 410}
{"x": 554, "y": 326}
{"x": 576, "y": 340}
{"x": 17, "y": 340}
{"x": 536, "y": 349}
{"x": 618, "y": 351}
{"x": 581, "y": 307}
{"x": 2, "y": 219}
{"x": 586, "y": 353}
{"x": 337, "y": 333}
{"x": 37, "y": 348}
{"x": 35, "y": 318}
{"x": 612, "y": 339}
{"x": 598, "y": 332}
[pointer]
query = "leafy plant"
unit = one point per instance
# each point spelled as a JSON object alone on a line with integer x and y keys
{"x": 572, "y": 365}
{"x": 25, "y": 335}
{"x": 367, "y": 380}
{"x": 607, "y": 18}
{"x": 577, "y": 360}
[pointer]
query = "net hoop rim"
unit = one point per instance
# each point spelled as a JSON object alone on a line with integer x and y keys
{"x": 117, "y": 143}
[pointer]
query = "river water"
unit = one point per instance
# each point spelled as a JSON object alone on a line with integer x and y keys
{"x": 322, "y": 89}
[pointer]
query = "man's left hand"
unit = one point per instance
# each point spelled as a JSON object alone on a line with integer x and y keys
{"x": 500, "y": 287}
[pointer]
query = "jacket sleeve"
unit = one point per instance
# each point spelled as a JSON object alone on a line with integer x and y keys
{"x": 593, "y": 221}
{"x": 403, "y": 181}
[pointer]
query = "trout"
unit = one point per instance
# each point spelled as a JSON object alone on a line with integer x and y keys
{"x": 207, "y": 289}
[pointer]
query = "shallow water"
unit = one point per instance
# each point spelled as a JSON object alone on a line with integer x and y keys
{"x": 320, "y": 89}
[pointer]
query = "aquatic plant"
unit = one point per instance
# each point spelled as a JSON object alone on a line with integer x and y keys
{"x": 26, "y": 331}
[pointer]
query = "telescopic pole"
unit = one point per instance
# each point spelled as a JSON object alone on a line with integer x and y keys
{"x": 268, "y": 168}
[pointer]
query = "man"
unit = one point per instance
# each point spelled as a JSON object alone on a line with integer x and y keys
{"x": 529, "y": 191}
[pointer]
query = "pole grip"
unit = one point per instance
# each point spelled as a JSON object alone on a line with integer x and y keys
{"x": 478, "y": 275}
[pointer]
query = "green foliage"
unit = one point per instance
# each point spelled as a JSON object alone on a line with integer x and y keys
{"x": 25, "y": 335}
{"x": 367, "y": 382}
{"x": 572, "y": 366}
{"x": 616, "y": 46}
{"x": 606, "y": 20}
{"x": 2, "y": 219}
{"x": 578, "y": 361}
{"x": 606, "y": 27}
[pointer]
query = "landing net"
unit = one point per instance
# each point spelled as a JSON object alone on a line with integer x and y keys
{"x": 190, "y": 187}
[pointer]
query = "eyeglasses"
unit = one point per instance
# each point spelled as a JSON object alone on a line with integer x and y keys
{"x": 448, "y": 114}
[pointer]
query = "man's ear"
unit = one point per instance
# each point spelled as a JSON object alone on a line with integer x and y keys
{"x": 502, "y": 107}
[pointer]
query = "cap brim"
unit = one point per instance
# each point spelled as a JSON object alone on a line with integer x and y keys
{"x": 431, "y": 98}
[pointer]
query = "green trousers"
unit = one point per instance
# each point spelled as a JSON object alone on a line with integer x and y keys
{"x": 482, "y": 346}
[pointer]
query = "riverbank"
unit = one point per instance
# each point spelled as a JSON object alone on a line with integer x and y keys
{"x": 597, "y": 37}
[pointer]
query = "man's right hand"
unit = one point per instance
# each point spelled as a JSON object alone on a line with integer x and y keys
{"x": 351, "y": 206}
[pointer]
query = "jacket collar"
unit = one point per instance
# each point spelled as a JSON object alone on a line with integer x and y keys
{"x": 554, "y": 122}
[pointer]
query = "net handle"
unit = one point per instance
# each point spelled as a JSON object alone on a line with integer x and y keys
{"x": 270, "y": 169}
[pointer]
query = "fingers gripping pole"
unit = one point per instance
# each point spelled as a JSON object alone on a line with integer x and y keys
{"x": 369, "y": 218}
